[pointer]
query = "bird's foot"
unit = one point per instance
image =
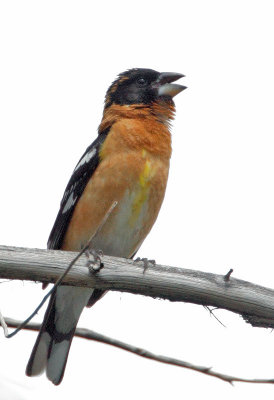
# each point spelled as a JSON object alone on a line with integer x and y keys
{"x": 95, "y": 264}
{"x": 146, "y": 262}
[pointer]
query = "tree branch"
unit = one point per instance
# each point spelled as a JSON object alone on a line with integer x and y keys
{"x": 98, "y": 337}
{"x": 254, "y": 303}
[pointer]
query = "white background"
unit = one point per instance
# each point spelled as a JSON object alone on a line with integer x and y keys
{"x": 57, "y": 60}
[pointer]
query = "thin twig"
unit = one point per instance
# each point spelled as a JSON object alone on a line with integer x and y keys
{"x": 98, "y": 337}
{"x": 102, "y": 223}
{"x": 4, "y": 325}
{"x": 59, "y": 280}
{"x": 253, "y": 302}
{"x": 210, "y": 310}
{"x": 228, "y": 274}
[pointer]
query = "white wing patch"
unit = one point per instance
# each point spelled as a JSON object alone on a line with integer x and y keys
{"x": 69, "y": 203}
{"x": 86, "y": 158}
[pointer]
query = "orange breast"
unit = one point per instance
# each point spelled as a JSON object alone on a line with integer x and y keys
{"x": 134, "y": 177}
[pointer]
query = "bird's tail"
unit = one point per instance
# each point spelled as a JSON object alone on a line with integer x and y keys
{"x": 52, "y": 345}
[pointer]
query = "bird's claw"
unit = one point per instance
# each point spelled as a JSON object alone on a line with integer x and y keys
{"x": 96, "y": 264}
{"x": 145, "y": 262}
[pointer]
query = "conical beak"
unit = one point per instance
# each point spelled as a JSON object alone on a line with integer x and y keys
{"x": 165, "y": 85}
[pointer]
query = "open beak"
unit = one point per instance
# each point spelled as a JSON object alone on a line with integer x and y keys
{"x": 165, "y": 85}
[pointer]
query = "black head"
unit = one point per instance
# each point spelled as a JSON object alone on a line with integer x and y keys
{"x": 143, "y": 86}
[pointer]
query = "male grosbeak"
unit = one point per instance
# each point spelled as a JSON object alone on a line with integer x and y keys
{"x": 128, "y": 162}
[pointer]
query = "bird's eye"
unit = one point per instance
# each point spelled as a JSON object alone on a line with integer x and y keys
{"x": 141, "y": 82}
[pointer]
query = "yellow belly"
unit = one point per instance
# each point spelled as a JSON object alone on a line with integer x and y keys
{"x": 138, "y": 184}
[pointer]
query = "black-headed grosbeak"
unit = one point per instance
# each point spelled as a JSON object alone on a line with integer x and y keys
{"x": 127, "y": 163}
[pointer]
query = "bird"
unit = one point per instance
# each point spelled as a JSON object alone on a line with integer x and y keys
{"x": 127, "y": 163}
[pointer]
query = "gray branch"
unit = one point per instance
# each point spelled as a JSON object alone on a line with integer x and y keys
{"x": 254, "y": 303}
{"x": 98, "y": 337}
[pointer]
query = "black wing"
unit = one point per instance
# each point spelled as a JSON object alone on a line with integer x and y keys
{"x": 77, "y": 183}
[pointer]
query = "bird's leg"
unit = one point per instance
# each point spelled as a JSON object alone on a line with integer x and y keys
{"x": 96, "y": 264}
{"x": 145, "y": 262}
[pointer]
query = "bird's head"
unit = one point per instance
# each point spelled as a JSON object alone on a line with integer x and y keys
{"x": 143, "y": 86}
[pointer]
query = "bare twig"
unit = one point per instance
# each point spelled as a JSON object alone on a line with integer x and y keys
{"x": 211, "y": 312}
{"x": 253, "y": 302}
{"x": 4, "y": 325}
{"x": 98, "y": 337}
{"x": 59, "y": 280}
{"x": 227, "y": 276}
